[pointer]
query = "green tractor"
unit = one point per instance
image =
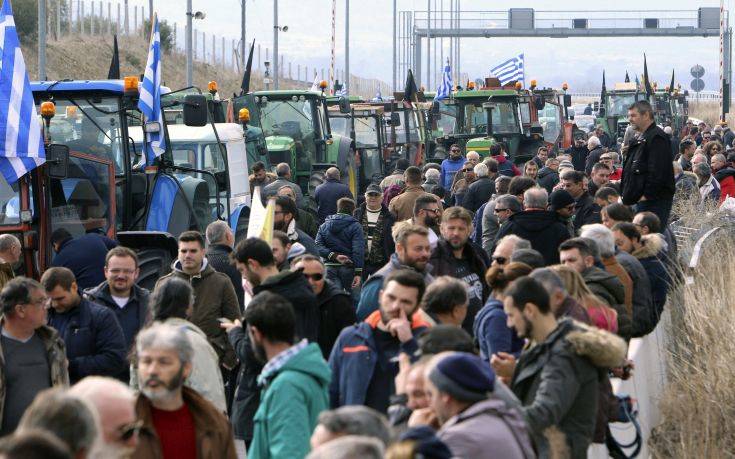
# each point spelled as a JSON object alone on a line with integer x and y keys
{"x": 613, "y": 112}
{"x": 671, "y": 109}
{"x": 296, "y": 129}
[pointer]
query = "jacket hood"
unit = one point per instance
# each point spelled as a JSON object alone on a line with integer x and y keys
{"x": 534, "y": 220}
{"x": 491, "y": 305}
{"x": 309, "y": 361}
{"x": 546, "y": 171}
{"x": 330, "y": 291}
{"x": 598, "y": 275}
{"x": 206, "y": 269}
{"x": 339, "y": 222}
{"x": 282, "y": 276}
{"x": 500, "y": 159}
{"x": 458, "y": 160}
{"x": 722, "y": 174}
{"x": 185, "y": 324}
{"x": 652, "y": 245}
{"x": 602, "y": 348}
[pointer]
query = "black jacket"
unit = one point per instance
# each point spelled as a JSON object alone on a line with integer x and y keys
{"x": 478, "y": 193}
{"x": 586, "y": 212}
{"x": 643, "y": 319}
{"x": 592, "y": 158}
{"x": 579, "y": 156}
{"x": 648, "y": 170}
{"x": 542, "y": 228}
{"x": 389, "y": 246}
{"x": 219, "y": 259}
{"x": 85, "y": 257}
{"x": 547, "y": 178}
{"x": 337, "y": 312}
{"x": 608, "y": 288}
{"x": 293, "y": 286}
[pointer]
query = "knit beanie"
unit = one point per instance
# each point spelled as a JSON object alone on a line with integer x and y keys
{"x": 427, "y": 443}
{"x": 559, "y": 199}
{"x": 466, "y": 377}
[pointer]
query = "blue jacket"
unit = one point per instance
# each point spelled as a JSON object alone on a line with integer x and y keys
{"x": 449, "y": 170}
{"x": 85, "y": 257}
{"x": 341, "y": 234}
{"x": 354, "y": 357}
{"x": 326, "y": 196}
{"x": 477, "y": 225}
{"x": 492, "y": 333}
{"x": 94, "y": 340}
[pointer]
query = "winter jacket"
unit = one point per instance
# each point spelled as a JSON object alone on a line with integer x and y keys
{"x": 585, "y": 212}
{"x": 557, "y": 381}
{"x": 492, "y": 333}
{"x": 579, "y": 156}
{"x": 547, "y": 179}
{"x": 641, "y": 317}
{"x": 341, "y": 234}
{"x": 506, "y": 167}
{"x": 542, "y": 228}
{"x": 272, "y": 190}
{"x": 355, "y": 355}
{"x": 337, "y": 312}
{"x": 6, "y": 274}
{"x": 608, "y": 288}
{"x": 214, "y": 297}
{"x": 293, "y": 286}
{"x": 219, "y": 259}
{"x": 651, "y": 256}
{"x": 592, "y": 158}
{"x": 326, "y": 196}
{"x": 371, "y": 288}
{"x": 212, "y": 430}
{"x": 85, "y": 257}
{"x": 476, "y": 235}
{"x": 613, "y": 267}
{"x": 396, "y": 178}
{"x": 306, "y": 222}
{"x": 686, "y": 185}
{"x": 292, "y": 399}
{"x": 488, "y": 422}
{"x": 728, "y": 137}
{"x": 726, "y": 179}
{"x": 449, "y": 169}
{"x": 94, "y": 341}
{"x": 139, "y": 298}
{"x": 402, "y": 205}
{"x": 247, "y": 395}
{"x": 270, "y": 177}
{"x": 56, "y": 355}
{"x": 490, "y": 227}
{"x": 648, "y": 170}
{"x": 389, "y": 246}
{"x": 478, "y": 193}
{"x": 710, "y": 191}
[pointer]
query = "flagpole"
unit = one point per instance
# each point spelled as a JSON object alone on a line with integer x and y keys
{"x": 41, "y": 40}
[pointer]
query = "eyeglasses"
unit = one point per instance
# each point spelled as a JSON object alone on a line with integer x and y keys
{"x": 454, "y": 149}
{"x": 497, "y": 210}
{"x": 433, "y": 211}
{"x": 315, "y": 277}
{"x": 116, "y": 271}
{"x": 128, "y": 431}
{"x": 500, "y": 260}
{"x": 39, "y": 302}
{"x": 466, "y": 170}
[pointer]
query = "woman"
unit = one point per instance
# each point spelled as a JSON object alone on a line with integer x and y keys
{"x": 601, "y": 315}
{"x": 172, "y": 302}
{"x": 712, "y": 148}
{"x": 615, "y": 213}
{"x": 491, "y": 323}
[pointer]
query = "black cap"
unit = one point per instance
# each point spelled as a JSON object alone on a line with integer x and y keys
{"x": 373, "y": 189}
{"x": 559, "y": 199}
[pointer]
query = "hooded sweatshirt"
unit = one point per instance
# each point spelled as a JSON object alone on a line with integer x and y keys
{"x": 543, "y": 229}
{"x": 449, "y": 169}
{"x": 294, "y": 394}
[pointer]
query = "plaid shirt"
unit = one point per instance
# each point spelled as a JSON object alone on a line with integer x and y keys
{"x": 277, "y": 362}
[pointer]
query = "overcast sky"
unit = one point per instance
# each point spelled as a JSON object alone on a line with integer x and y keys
{"x": 551, "y": 61}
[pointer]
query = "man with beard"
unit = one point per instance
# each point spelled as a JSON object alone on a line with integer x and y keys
{"x": 10, "y": 250}
{"x": 412, "y": 252}
{"x": 376, "y": 221}
{"x": 294, "y": 380}
{"x": 426, "y": 212}
{"x": 364, "y": 360}
{"x": 578, "y": 151}
{"x": 280, "y": 245}
{"x": 456, "y": 256}
{"x": 177, "y": 421}
{"x": 114, "y": 403}
{"x": 284, "y": 220}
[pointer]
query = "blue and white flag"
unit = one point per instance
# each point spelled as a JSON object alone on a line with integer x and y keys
{"x": 150, "y": 97}
{"x": 21, "y": 139}
{"x": 445, "y": 88}
{"x": 343, "y": 92}
{"x": 510, "y": 70}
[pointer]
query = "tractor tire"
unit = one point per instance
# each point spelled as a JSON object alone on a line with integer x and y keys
{"x": 153, "y": 264}
{"x": 316, "y": 179}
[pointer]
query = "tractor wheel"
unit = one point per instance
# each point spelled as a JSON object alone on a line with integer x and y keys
{"x": 153, "y": 264}
{"x": 316, "y": 179}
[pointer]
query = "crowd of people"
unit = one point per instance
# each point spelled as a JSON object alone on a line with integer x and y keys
{"x": 472, "y": 309}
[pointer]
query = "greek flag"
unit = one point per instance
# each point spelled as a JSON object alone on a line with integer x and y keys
{"x": 510, "y": 70}
{"x": 150, "y": 97}
{"x": 445, "y": 88}
{"x": 343, "y": 91}
{"x": 21, "y": 140}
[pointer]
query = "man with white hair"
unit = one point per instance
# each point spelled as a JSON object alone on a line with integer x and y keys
{"x": 479, "y": 191}
{"x": 283, "y": 170}
{"x": 473, "y": 157}
{"x": 431, "y": 180}
{"x": 724, "y": 175}
{"x": 220, "y": 242}
{"x": 10, "y": 250}
{"x": 177, "y": 421}
{"x": 605, "y": 140}
{"x": 114, "y": 404}
{"x": 328, "y": 193}
{"x": 596, "y": 149}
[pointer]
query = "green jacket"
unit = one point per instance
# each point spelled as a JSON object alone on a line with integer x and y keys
{"x": 291, "y": 401}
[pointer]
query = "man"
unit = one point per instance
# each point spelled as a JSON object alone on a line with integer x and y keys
{"x": 445, "y": 301}
{"x": 595, "y": 152}
{"x": 611, "y": 160}
{"x": 402, "y": 205}
{"x": 456, "y": 256}
{"x": 363, "y": 360}
{"x": 557, "y": 381}
{"x": 177, "y": 421}
{"x": 480, "y": 190}
{"x": 687, "y": 147}
{"x": 33, "y": 444}
{"x": 709, "y": 187}
{"x": 727, "y": 135}
{"x": 724, "y": 175}
{"x": 562, "y": 203}
{"x": 95, "y": 344}
{"x": 328, "y": 193}
{"x": 305, "y": 219}
{"x": 220, "y": 241}
{"x": 541, "y": 227}
{"x": 120, "y": 294}
{"x": 600, "y": 177}
{"x": 606, "y": 195}
{"x": 335, "y": 305}
{"x": 83, "y": 255}
{"x": 214, "y": 295}
{"x": 377, "y": 222}
{"x": 341, "y": 243}
{"x": 604, "y": 138}
{"x": 350, "y": 420}
{"x": 684, "y": 182}
{"x": 505, "y": 248}
{"x": 396, "y": 178}
{"x": 450, "y": 166}
{"x": 294, "y": 380}
{"x": 578, "y": 151}
{"x": 462, "y": 183}
{"x": 561, "y": 304}
{"x": 260, "y": 177}
{"x": 33, "y": 357}
{"x": 114, "y": 404}
{"x": 348, "y": 447}
{"x": 505, "y": 166}
{"x": 648, "y": 175}
{"x": 410, "y": 386}
{"x": 280, "y": 245}
{"x": 283, "y": 170}
{"x": 530, "y": 169}
{"x": 585, "y": 209}
{"x": 431, "y": 179}
{"x": 587, "y": 110}
{"x": 460, "y": 388}
{"x": 426, "y": 212}
{"x": 542, "y": 155}
{"x": 496, "y": 214}
{"x": 284, "y": 220}
{"x": 10, "y": 251}
{"x": 548, "y": 176}
{"x": 412, "y": 251}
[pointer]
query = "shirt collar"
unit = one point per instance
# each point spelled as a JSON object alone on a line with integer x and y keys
{"x": 279, "y": 360}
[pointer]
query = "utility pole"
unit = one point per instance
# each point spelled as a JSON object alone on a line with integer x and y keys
{"x": 42, "y": 40}
{"x": 189, "y": 57}
{"x": 428, "y": 45}
{"x": 127, "y": 30}
{"x": 275, "y": 45}
{"x": 395, "y": 45}
{"x": 150, "y": 13}
{"x": 347, "y": 47}
{"x": 243, "y": 38}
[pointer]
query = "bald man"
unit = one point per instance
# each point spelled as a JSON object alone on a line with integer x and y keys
{"x": 10, "y": 251}
{"x": 327, "y": 194}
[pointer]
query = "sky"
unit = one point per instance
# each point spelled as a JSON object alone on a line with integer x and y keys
{"x": 579, "y": 62}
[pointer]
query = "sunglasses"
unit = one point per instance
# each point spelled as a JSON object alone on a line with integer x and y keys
{"x": 500, "y": 260}
{"x": 314, "y": 277}
{"x": 497, "y": 210}
{"x": 128, "y": 431}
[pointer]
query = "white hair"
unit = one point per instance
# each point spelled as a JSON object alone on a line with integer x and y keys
{"x": 164, "y": 336}
{"x": 432, "y": 174}
{"x": 473, "y": 154}
{"x": 602, "y": 236}
{"x": 677, "y": 168}
{"x": 536, "y": 198}
{"x": 593, "y": 141}
{"x": 217, "y": 232}
{"x": 481, "y": 169}
{"x": 667, "y": 130}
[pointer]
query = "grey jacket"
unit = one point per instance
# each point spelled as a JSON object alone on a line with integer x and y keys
{"x": 642, "y": 296}
{"x": 490, "y": 227}
{"x": 272, "y": 189}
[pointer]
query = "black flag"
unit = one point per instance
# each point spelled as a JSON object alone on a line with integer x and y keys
{"x": 646, "y": 81}
{"x": 603, "y": 91}
{"x": 671, "y": 85}
{"x": 409, "y": 93}
{"x": 245, "y": 85}
{"x": 627, "y": 78}
{"x": 114, "y": 72}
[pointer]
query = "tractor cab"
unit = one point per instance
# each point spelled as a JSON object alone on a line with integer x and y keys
{"x": 613, "y": 113}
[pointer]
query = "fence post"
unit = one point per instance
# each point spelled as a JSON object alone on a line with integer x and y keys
{"x": 259, "y": 56}
{"x": 280, "y": 67}
{"x": 214, "y": 50}
{"x": 135, "y": 19}
{"x": 289, "y": 71}
{"x": 117, "y": 23}
{"x": 194, "y": 45}
{"x": 174, "y": 31}
{"x": 224, "y": 61}
{"x": 102, "y": 19}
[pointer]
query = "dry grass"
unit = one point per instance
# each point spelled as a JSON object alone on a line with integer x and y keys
{"x": 698, "y": 407}
{"x": 708, "y": 111}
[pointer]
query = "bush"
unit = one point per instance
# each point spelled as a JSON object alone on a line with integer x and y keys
{"x": 166, "y": 31}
